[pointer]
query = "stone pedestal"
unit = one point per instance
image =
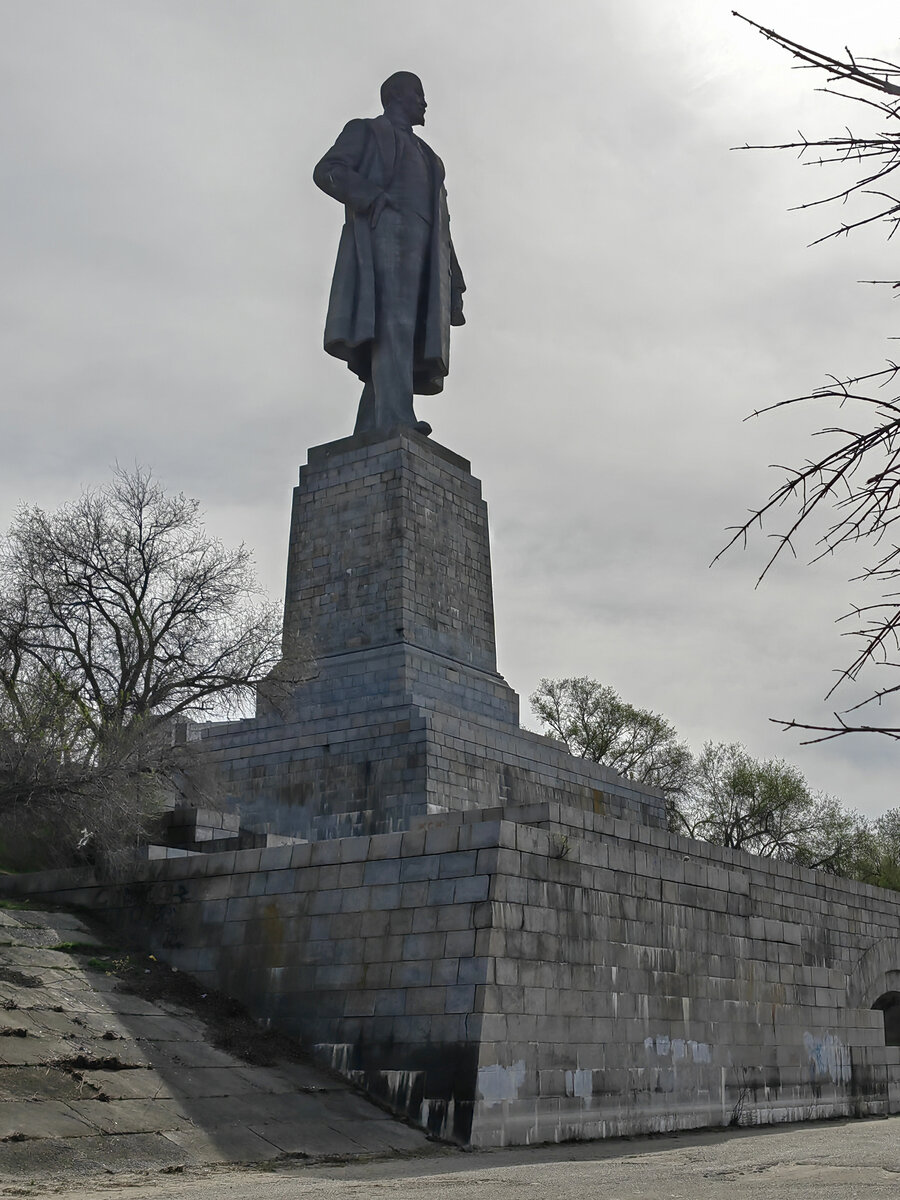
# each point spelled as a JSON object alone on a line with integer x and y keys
{"x": 389, "y": 584}
{"x": 389, "y": 546}
{"x": 389, "y": 579}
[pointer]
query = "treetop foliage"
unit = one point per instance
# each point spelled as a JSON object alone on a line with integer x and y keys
{"x": 722, "y": 795}
{"x": 596, "y": 723}
{"x": 763, "y": 807}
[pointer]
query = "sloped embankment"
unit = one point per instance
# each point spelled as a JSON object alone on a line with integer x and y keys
{"x": 112, "y": 1062}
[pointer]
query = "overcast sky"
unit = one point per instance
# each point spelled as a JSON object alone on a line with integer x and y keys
{"x": 635, "y": 289}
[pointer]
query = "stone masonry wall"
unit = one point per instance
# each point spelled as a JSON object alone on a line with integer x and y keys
{"x": 520, "y": 975}
{"x": 389, "y": 543}
{"x": 382, "y": 769}
{"x": 644, "y": 982}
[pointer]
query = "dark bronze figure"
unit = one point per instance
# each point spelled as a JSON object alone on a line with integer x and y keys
{"x": 397, "y": 286}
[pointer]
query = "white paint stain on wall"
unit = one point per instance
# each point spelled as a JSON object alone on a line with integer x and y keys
{"x": 580, "y": 1082}
{"x": 447, "y": 1115}
{"x": 400, "y": 1085}
{"x": 339, "y": 1053}
{"x": 678, "y": 1049}
{"x": 828, "y": 1057}
{"x": 496, "y": 1083}
{"x": 700, "y": 1052}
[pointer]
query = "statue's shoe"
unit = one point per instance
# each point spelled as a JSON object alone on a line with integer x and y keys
{"x": 422, "y": 427}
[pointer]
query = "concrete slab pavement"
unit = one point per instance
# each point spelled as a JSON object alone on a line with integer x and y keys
{"x": 95, "y": 1080}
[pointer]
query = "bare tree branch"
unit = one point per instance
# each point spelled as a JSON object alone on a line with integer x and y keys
{"x": 849, "y": 494}
{"x": 119, "y": 614}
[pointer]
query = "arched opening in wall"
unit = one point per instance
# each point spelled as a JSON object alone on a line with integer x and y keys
{"x": 889, "y": 1006}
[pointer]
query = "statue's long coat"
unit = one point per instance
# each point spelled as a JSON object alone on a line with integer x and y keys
{"x": 355, "y": 171}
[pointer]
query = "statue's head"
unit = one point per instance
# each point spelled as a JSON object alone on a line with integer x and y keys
{"x": 405, "y": 91}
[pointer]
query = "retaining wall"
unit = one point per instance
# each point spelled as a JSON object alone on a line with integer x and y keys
{"x": 520, "y": 975}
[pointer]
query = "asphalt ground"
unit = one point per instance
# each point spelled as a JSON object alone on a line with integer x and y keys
{"x": 857, "y": 1160}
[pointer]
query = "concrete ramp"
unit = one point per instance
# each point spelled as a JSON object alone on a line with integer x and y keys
{"x": 111, "y": 1063}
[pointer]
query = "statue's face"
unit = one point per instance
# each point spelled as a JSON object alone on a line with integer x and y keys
{"x": 412, "y": 101}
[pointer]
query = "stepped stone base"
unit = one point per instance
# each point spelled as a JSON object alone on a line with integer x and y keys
{"x": 389, "y": 581}
{"x": 372, "y": 771}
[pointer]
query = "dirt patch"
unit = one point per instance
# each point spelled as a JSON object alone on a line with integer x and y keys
{"x": 19, "y": 978}
{"x": 93, "y": 1062}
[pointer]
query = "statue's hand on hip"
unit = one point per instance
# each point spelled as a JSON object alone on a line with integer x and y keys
{"x": 379, "y": 204}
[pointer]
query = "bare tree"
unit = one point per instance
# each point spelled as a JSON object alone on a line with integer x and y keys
{"x": 118, "y": 615}
{"x": 854, "y": 484}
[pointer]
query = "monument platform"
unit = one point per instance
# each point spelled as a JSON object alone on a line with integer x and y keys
{"x": 405, "y": 713}
{"x": 497, "y": 940}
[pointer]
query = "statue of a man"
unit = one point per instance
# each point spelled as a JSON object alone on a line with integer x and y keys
{"x": 397, "y": 286}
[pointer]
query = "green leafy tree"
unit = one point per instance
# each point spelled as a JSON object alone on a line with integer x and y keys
{"x": 765, "y": 808}
{"x": 877, "y": 851}
{"x": 596, "y": 723}
{"x": 119, "y": 615}
{"x": 724, "y": 795}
